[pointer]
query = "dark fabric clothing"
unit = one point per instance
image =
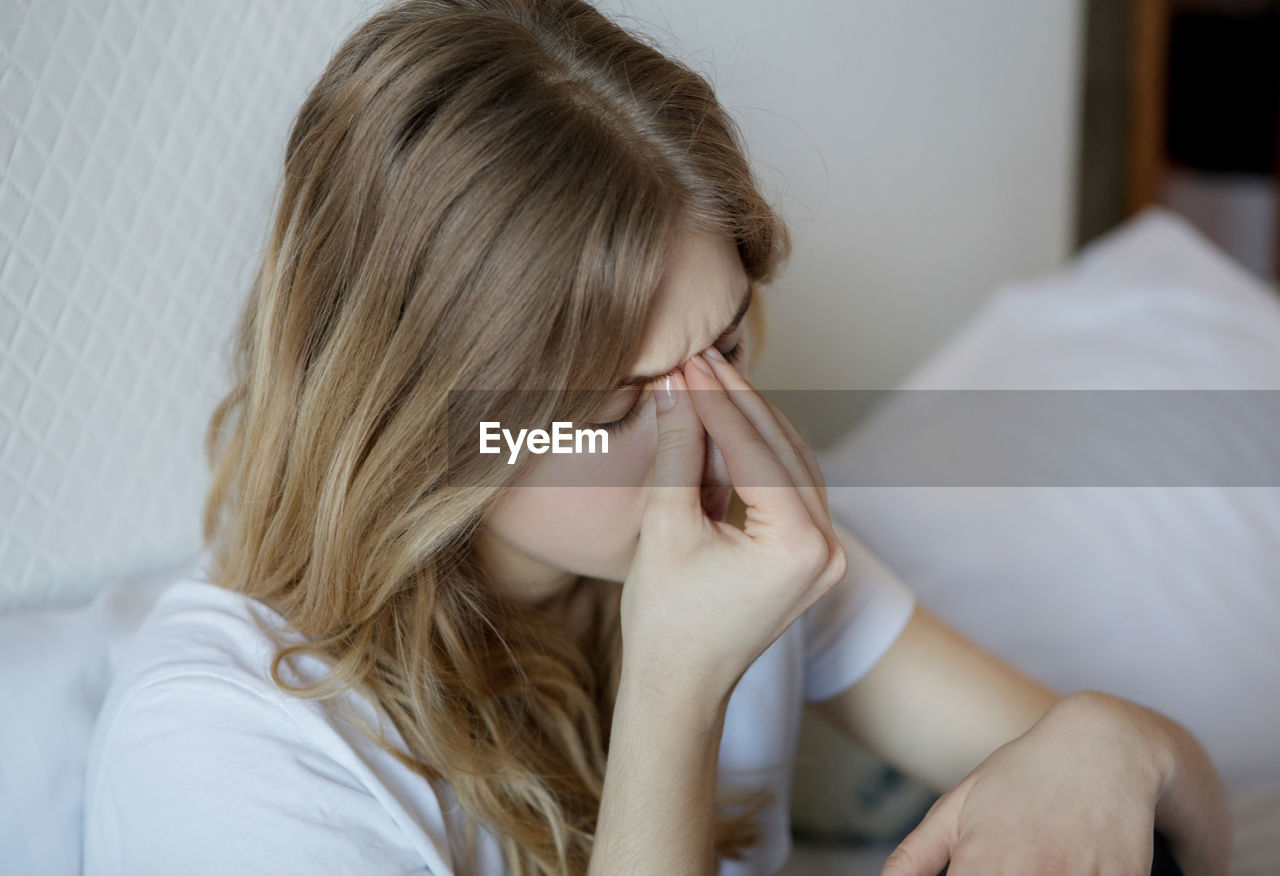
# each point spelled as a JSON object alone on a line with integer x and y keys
{"x": 1162, "y": 861}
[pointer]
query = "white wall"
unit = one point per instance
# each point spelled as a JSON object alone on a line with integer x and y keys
{"x": 140, "y": 145}
{"x": 922, "y": 150}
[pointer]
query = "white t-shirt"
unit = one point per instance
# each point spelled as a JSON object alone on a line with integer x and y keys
{"x": 200, "y": 764}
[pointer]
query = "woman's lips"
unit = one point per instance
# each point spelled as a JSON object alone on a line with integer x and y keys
{"x": 715, "y": 501}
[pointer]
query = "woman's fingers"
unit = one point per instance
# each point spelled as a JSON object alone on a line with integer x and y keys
{"x": 926, "y": 850}
{"x": 755, "y": 468}
{"x": 677, "y": 467}
{"x": 781, "y": 435}
{"x": 806, "y": 452}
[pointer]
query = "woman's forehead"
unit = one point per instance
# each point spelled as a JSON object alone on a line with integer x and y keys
{"x": 697, "y": 297}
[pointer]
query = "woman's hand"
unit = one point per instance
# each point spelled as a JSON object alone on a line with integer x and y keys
{"x": 703, "y": 599}
{"x": 1076, "y": 794}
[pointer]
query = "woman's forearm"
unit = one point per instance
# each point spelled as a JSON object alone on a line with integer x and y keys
{"x": 658, "y": 807}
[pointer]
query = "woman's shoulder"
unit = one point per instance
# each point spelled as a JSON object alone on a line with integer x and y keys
{"x": 199, "y": 760}
{"x": 201, "y": 661}
{"x": 198, "y": 668}
{"x": 199, "y": 629}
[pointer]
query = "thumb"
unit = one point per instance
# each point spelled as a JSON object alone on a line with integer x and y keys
{"x": 926, "y": 851}
{"x": 677, "y": 467}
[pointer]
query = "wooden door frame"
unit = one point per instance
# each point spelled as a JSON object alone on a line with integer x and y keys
{"x": 1148, "y": 75}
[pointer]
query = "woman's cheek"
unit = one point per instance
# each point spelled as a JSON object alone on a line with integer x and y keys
{"x": 631, "y": 452}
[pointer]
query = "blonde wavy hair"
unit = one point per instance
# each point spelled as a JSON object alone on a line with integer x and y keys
{"x": 477, "y": 194}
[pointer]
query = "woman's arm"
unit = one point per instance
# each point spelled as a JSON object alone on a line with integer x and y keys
{"x": 937, "y": 705}
{"x": 658, "y": 807}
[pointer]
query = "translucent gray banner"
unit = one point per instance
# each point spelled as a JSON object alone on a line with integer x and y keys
{"x": 963, "y": 438}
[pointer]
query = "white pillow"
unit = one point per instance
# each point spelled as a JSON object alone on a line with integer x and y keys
{"x": 1166, "y": 595}
{"x": 55, "y": 667}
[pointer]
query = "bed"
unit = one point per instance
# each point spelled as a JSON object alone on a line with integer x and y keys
{"x": 1166, "y": 592}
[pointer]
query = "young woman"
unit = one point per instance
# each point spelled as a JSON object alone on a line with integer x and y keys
{"x": 401, "y": 654}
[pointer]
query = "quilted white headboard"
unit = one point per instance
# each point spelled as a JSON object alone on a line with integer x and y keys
{"x": 141, "y": 144}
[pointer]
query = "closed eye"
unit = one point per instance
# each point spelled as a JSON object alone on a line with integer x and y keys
{"x": 731, "y": 355}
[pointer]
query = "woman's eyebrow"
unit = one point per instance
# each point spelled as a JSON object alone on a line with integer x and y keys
{"x": 642, "y": 379}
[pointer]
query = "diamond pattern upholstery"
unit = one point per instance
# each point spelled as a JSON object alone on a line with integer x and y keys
{"x": 141, "y": 145}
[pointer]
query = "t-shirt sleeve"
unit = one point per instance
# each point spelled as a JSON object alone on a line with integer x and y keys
{"x": 853, "y": 624}
{"x": 200, "y": 775}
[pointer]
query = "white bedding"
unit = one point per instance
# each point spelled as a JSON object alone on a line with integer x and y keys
{"x": 1166, "y": 595}
{"x": 55, "y": 665}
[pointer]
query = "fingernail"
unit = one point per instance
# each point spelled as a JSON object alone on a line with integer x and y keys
{"x": 666, "y": 396}
{"x": 697, "y": 361}
{"x": 713, "y": 353}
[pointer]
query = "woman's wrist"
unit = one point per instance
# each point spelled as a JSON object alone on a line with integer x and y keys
{"x": 685, "y": 698}
{"x": 657, "y": 809}
{"x": 1193, "y": 811}
{"x": 1191, "y": 807}
{"x": 1142, "y": 733}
